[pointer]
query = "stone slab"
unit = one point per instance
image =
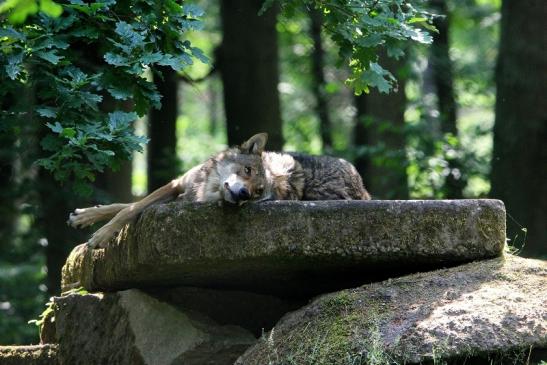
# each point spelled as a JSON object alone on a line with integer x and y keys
{"x": 289, "y": 248}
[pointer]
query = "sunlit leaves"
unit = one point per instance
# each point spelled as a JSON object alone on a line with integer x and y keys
{"x": 361, "y": 28}
{"x": 47, "y": 112}
{"x": 192, "y": 11}
{"x": 50, "y": 56}
{"x": 115, "y": 59}
{"x": 86, "y": 61}
{"x": 19, "y": 10}
{"x": 373, "y": 76}
{"x": 13, "y": 65}
{"x": 51, "y": 8}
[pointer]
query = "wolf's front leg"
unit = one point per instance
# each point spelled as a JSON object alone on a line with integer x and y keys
{"x": 126, "y": 215}
{"x": 104, "y": 235}
{"x": 84, "y": 217}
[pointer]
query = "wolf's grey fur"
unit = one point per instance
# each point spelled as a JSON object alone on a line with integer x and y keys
{"x": 296, "y": 176}
{"x": 237, "y": 175}
{"x": 330, "y": 178}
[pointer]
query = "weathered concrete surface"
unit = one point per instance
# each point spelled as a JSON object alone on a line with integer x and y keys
{"x": 29, "y": 355}
{"x": 281, "y": 247}
{"x": 487, "y": 312}
{"x": 130, "y": 327}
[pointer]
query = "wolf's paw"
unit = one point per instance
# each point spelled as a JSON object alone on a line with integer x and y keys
{"x": 83, "y": 217}
{"x": 103, "y": 236}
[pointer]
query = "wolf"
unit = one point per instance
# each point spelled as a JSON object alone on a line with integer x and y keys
{"x": 237, "y": 175}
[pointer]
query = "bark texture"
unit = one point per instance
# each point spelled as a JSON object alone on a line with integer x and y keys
{"x": 248, "y": 62}
{"x": 519, "y": 176}
{"x": 8, "y": 189}
{"x": 289, "y": 248}
{"x": 162, "y": 162}
{"x": 488, "y": 312}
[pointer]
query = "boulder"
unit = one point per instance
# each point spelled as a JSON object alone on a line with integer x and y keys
{"x": 131, "y": 327}
{"x": 29, "y": 355}
{"x": 289, "y": 248}
{"x": 487, "y": 312}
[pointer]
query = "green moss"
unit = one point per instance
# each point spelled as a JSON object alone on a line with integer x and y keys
{"x": 329, "y": 339}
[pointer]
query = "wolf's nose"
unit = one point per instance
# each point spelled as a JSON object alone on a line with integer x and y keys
{"x": 244, "y": 194}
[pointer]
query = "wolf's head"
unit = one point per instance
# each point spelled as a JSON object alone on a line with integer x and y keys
{"x": 241, "y": 171}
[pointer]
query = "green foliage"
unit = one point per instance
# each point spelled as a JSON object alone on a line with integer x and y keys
{"x": 19, "y": 10}
{"x": 361, "y": 27}
{"x": 91, "y": 59}
{"x": 427, "y": 155}
{"x": 50, "y": 308}
{"x": 49, "y": 311}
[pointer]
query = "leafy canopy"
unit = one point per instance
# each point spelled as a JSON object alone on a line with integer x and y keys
{"x": 81, "y": 76}
{"x": 81, "y": 65}
{"x": 361, "y": 27}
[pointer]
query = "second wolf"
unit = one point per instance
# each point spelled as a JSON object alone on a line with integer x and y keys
{"x": 237, "y": 175}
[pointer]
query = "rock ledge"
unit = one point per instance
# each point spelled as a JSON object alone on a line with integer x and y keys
{"x": 289, "y": 248}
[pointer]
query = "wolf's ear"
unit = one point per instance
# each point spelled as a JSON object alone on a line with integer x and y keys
{"x": 255, "y": 144}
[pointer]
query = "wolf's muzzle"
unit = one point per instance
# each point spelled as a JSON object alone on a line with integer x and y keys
{"x": 240, "y": 194}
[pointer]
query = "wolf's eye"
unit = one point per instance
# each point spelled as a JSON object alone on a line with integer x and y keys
{"x": 247, "y": 170}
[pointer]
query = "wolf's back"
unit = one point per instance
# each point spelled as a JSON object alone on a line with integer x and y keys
{"x": 305, "y": 177}
{"x": 330, "y": 178}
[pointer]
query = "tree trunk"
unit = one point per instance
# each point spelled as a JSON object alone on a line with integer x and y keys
{"x": 362, "y": 138}
{"x": 250, "y": 72}
{"x": 214, "y": 119}
{"x": 318, "y": 82}
{"x": 56, "y": 202}
{"x": 443, "y": 79}
{"x": 163, "y": 164}
{"x": 379, "y": 123}
{"x": 8, "y": 193}
{"x": 519, "y": 173}
{"x": 115, "y": 186}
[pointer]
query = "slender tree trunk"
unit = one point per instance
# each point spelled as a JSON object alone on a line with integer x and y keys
{"x": 8, "y": 212}
{"x": 379, "y": 123}
{"x": 7, "y": 189}
{"x": 213, "y": 108}
{"x": 114, "y": 186}
{"x": 362, "y": 139}
{"x": 318, "y": 82}
{"x": 249, "y": 67}
{"x": 443, "y": 79}
{"x": 163, "y": 164}
{"x": 519, "y": 173}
